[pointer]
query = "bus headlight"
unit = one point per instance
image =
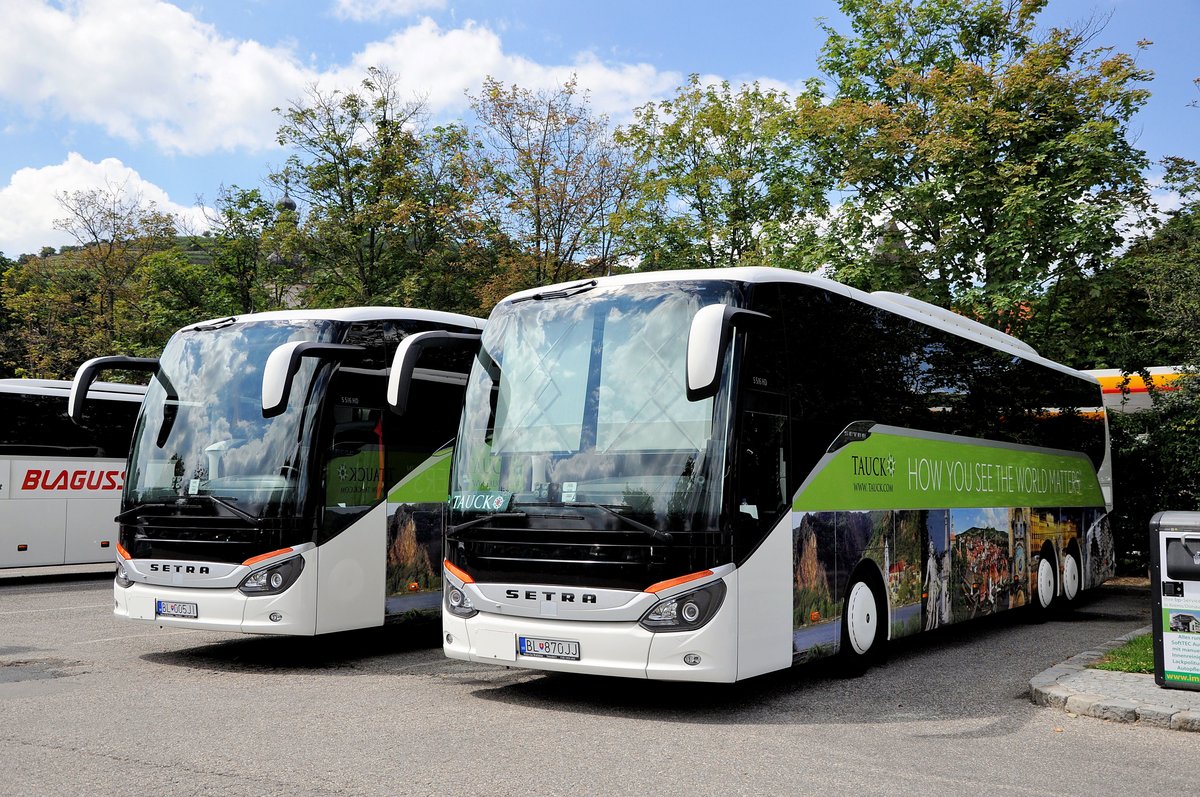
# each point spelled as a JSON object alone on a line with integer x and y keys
{"x": 122, "y": 578}
{"x": 458, "y": 603}
{"x": 687, "y": 611}
{"x": 274, "y": 579}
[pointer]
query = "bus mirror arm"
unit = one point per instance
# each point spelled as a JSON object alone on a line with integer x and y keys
{"x": 409, "y": 352}
{"x": 284, "y": 362}
{"x": 88, "y": 372}
{"x": 708, "y": 339}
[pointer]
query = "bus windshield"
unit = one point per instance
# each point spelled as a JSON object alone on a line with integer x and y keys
{"x": 202, "y": 431}
{"x": 580, "y": 400}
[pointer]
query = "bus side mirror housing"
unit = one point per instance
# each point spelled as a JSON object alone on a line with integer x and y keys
{"x": 283, "y": 363}
{"x": 708, "y": 339}
{"x": 404, "y": 363}
{"x": 87, "y": 373}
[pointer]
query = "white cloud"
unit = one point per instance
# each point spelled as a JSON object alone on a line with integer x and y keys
{"x": 29, "y": 203}
{"x": 363, "y": 10}
{"x": 144, "y": 69}
{"x": 442, "y": 64}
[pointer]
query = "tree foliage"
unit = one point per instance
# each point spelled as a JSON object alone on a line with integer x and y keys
{"x": 1001, "y": 154}
{"x": 726, "y": 178}
{"x": 553, "y": 184}
{"x": 85, "y": 302}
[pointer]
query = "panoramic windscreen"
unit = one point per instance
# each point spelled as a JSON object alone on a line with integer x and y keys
{"x": 202, "y": 430}
{"x": 581, "y": 399}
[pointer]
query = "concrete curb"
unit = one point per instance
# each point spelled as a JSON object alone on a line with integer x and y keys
{"x": 1119, "y": 697}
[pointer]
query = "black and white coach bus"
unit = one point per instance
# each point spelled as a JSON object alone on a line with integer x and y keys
{"x": 714, "y": 474}
{"x": 268, "y": 488}
{"x": 60, "y": 483}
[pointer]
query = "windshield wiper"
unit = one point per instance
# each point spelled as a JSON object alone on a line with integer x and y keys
{"x": 184, "y": 502}
{"x": 561, "y": 293}
{"x": 450, "y": 532}
{"x": 220, "y": 323}
{"x": 244, "y": 515}
{"x": 658, "y": 534}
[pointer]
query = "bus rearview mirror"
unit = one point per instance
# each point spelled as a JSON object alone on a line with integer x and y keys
{"x": 283, "y": 363}
{"x": 87, "y": 373}
{"x": 404, "y": 362}
{"x": 708, "y": 339}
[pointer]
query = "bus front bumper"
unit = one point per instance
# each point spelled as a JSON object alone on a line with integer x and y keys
{"x": 623, "y": 649}
{"x": 220, "y": 609}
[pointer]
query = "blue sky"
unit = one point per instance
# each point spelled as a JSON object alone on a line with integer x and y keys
{"x": 174, "y": 100}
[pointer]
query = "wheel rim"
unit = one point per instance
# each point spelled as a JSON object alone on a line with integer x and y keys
{"x": 1045, "y": 582}
{"x": 1070, "y": 578}
{"x": 862, "y": 618}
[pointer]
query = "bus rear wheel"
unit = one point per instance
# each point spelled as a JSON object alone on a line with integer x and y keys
{"x": 864, "y": 629}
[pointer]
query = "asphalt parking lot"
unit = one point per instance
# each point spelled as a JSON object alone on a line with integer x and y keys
{"x": 90, "y": 705}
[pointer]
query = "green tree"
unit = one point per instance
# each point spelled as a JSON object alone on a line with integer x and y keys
{"x": 86, "y": 300}
{"x": 1001, "y": 153}
{"x": 727, "y": 178}
{"x": 354, "y": 160}
{"x": 1156, "y": 452}
{"x": 238, "y": 246}
{"x": 552, "y": 181}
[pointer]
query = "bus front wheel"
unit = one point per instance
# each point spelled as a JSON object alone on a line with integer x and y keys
{"x": 864, "y": 626}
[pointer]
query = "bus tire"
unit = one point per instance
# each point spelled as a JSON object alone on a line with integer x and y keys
{"x": 1046, "y": 586}
{"x": 864, "y": 624}
{"x": 1072, "y": 578}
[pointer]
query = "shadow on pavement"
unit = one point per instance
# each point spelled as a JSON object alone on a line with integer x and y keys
{"x": 347, "y": 650}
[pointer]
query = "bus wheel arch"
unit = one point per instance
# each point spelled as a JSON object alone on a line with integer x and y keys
{"x": 865, "y": 613}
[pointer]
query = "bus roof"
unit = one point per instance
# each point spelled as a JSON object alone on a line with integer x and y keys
{"x": 62, "y": 388}
{"x": 898, "y": 304}
{"x": 352, "y": 314}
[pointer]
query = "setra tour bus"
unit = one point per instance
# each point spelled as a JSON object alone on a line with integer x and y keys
{"x": 60, "y": 483}
{"x": 709, "y": 475}
{"x": 269, "y": 490}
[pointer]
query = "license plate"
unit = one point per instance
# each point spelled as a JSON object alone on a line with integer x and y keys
{"x": 175, "y": 609}
{"x": 548, "y": 648}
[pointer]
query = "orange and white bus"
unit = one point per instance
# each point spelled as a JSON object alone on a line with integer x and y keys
{"x": 1130, "y": 391}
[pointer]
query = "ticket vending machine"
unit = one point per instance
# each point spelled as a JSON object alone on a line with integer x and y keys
{"x": 1175, "y": 583}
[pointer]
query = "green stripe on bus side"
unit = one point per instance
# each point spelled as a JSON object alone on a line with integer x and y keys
{"x": 898, "y": 469}
{"x": 428, "y": 483}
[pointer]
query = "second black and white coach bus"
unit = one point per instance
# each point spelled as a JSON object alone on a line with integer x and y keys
{"x": 714, "y": 474}
{"x": 269, "y": 490}
{"x": 60, "y": 482}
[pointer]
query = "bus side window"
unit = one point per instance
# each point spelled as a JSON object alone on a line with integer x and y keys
{"x": 761, "y": 457}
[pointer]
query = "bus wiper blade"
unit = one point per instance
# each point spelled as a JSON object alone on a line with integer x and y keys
{"x": 220, "y": 323}
{"x": 135, "y": 512}
{"x": 450, "y": 532}
{"x": 658, "y": 534}
{"x": 186, "y": 502}
{"x": 561, "y": 293}
{"x": 244, "y": 515}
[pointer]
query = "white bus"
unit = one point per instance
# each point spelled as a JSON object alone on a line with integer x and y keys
{"x": 60, "y": 483}
{"x": 709, "y": 475}
{"x": 269, "y": 490}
